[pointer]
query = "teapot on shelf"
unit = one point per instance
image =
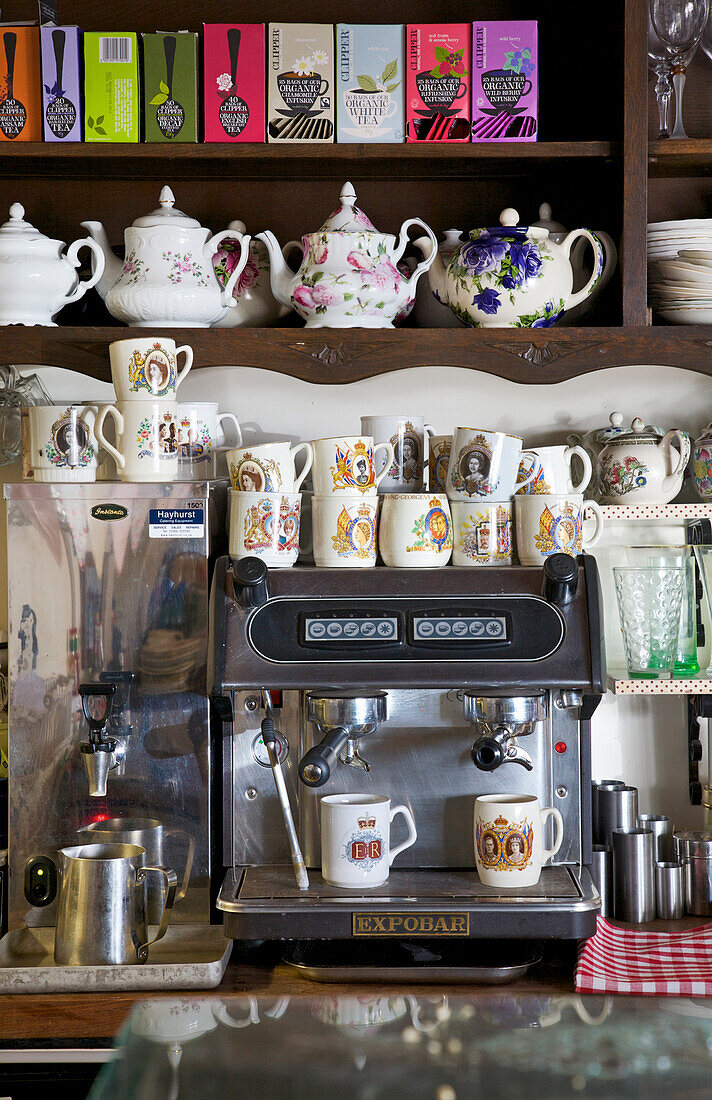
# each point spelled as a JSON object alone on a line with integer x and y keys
{"x": 166, "y": 278}
{"x": 513, "y": 276}
{"x": 557, "y": 233}
{"x": 639, "y": 465}
{"x": 255, "y": 304}
{"x": 37, "y": 278}
{"x": 348, "y": 277}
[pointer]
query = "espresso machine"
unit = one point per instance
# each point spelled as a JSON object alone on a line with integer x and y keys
{"x": 431, "y": 687}
{"x": 108, "y": 707}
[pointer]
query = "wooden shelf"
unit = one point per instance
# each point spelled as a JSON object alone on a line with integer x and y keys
{"x": 680, "y": 157}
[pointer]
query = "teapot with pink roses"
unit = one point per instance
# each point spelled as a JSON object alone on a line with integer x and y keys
{"x": 349, "y": 275}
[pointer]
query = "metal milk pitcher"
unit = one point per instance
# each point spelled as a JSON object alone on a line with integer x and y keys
{"x": 101, "y": 917}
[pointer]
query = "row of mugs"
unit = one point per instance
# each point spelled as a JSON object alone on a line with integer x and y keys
{"x": 410, "y": 529}
{"x": 343, "y": 465}
{"x": 509, "y": 844}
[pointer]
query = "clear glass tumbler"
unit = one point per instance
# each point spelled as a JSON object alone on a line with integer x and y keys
{"x": 649, "y": 605}
{"x": 676, "y": 557}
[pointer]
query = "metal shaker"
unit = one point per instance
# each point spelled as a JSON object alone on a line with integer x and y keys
{"x": 693, "y": 848}
{"x": 634, "y": 875}
{"x": 670, "y": 890}
{"x": 617, "y": 809}
{"x": 662, "y": 829}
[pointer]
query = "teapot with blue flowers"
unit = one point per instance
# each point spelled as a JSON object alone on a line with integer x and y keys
{"x": 513, "y": 276}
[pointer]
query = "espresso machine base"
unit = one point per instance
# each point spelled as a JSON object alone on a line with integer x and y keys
{"x": 429, "y": 903}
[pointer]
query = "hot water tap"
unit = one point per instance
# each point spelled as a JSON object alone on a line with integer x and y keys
{"x": 101, "y": 753}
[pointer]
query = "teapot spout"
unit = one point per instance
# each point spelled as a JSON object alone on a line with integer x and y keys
{"x": 112, "y": 265}
{"x": 280, "y": 275}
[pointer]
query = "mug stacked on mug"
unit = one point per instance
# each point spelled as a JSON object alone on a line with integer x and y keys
{"x": 345, "y": 502}
{"x": 146, "y": 378}
{"x": 201, "y": 438}
{"x": 550, "y": 506}
{"x": 265, "y": 502}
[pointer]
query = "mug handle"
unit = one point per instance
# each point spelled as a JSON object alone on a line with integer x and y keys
{"x": 591, "y": 506}
{"x": 519, "y": 485}
{"x": 412, "y": 832}
{"x": 113, "y": 412}
{"x": 587, "y": 468}
{"x": 238, "y": 430}
{"x": 429, "y": 430}
{"x": 221, "y": 1014}
{"x": 309, "y": 451}
{"x": 325, "y": 88}
{"x": 188, "y": 362}
{"x": 550, "y": 811}
{"x": 171, "y": 881}
{"x": 390, "y": 455}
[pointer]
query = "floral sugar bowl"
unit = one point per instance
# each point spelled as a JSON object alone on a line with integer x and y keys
{"x": 513, "y": 276}
{"x": 255, "y": 304}
{"x": 702, "y": 465}
{"x": 348, "y": 276}
{"x": 640, "y": 466}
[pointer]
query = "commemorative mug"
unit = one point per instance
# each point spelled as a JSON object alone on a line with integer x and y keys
{"x": 552, "y": 471}
{"x": 345, "y": 531}
{"x": 201, "y": 437}
{"x": 408, "y": 436}
{"x": 146, "y": 439}
{"x": 147, "y": 367}
{"x": 438, "y": 462}
{"x": 268, "y": 467}
{"x": 509, "y": 839}
{"x": 415, "y": 529}
{"x": 483, "y": 465}
{"x": 549, "y": 525}
{"x": 356, "y": 839}
{"x": 63, "y": 444}
{"x": 265, "y": 525}
{"x": 482, "y": 532}
{"x": 346, "y": 465}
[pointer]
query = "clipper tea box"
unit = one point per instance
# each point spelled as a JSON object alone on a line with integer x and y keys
{"x": 504, "y": 81}
{"x": 170, "y": 87}
{"x": 438, "y": 81}
{"x": 61, "y": 49}
{"x": 20, "y": 79}
{"x": 111, "y": 88}
{"x": 234, "y": 81}
{"x": 370, "y": 83}
{"x": 300, "y": 82}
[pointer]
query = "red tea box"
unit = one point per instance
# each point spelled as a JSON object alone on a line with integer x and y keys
{"x": 438, "y": 57}
{"x": 300, "y": 82}
{"x": 504, "y": 81}
{"x": 234, "y": 81}
{"x": 20, "y": 84}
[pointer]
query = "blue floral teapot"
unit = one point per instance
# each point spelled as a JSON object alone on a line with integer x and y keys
{"x": 513, "y": 276}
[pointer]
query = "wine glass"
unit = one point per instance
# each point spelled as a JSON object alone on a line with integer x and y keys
{"x": 706, "y": 39}
{"x": 679, "y": 25}
{"x": 659, "y": 63}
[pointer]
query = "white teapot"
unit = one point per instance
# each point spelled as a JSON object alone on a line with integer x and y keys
{"x": 37, "y": 278}
{"x": 639, "y": 466}
{"x": 167, "y": 277}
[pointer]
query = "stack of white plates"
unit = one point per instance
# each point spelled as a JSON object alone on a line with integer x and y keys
{"x": 680, "y": 271}
{"x": 665, "y": 239}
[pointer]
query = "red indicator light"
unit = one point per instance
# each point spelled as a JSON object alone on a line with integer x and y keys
{"x": 560, "y": 746}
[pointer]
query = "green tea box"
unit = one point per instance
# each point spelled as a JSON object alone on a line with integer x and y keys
{"x": 111, "y": 87}
{"x": 169, "y": 83}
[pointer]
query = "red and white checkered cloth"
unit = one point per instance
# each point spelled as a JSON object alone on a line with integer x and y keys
{"x": 629, "y": 960}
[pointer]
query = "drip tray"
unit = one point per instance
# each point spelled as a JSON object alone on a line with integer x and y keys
{"x": 266, "y": 903}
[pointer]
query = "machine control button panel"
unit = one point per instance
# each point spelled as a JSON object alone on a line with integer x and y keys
{"x": 459, "y": 629}
{"x": 353, "y": 628}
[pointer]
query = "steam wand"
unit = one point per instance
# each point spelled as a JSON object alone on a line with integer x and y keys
{"x": 268, "y": 736}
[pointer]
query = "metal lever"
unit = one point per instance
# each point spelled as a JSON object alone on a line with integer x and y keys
{"x": 352, "y": 756}
{"x": 270, "y": 740}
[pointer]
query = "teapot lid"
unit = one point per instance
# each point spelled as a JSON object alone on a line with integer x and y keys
{"x": 347, "y": 218}
{"x": 166, "y": 215}
{"x": 638, "y": 432}
{"x": 18, "y": 227}
{"x": 547, "y": 222}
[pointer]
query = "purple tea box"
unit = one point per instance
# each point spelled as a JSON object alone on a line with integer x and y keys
{"x": 504, "y": 80}
{"x": 61, "y": 49}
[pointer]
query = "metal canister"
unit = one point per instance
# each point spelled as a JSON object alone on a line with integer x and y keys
{"x": 670, "y": 890}
{"x": 602, "y": 875}
{"x": 617, "y": 809}
{"x": 662, "y": 829}
{"x": 634, "y": 875}
{"x": 596, "y": 786}
{"x": 693, "y": 847}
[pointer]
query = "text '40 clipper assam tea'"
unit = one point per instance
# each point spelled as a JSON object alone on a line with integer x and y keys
{"x": 371, "y": 83}
{"x": 504, "y": 81}
{"x": 438, "y": 88}
{"x": 300, "y": 85}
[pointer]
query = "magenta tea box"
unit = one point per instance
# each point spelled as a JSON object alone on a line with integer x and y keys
{"x": 504, "y": 81}
{"x": 61, "y": 49}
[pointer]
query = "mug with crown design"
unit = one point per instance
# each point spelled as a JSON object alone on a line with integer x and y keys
{"x": 356, "y": 850}
{"x": 509, "y": 836}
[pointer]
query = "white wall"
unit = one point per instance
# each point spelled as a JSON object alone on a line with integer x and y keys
{"x": 641, "y": 740}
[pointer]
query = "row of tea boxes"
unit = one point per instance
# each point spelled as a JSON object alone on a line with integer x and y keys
{"x": 286, "y": 82}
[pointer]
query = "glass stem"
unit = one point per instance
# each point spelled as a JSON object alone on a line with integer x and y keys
{"x": 678, "y": 79}
{"x": 663, "y": 94}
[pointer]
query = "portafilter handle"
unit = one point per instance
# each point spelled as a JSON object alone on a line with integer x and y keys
{"x": 316, "y": 764}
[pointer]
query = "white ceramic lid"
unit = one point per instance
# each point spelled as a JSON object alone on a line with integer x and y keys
{"x": 347, "y": 218}
{"x": 166, "y": 215}
{"x": 18, "y": 227}
{"x": 637, "y": 432}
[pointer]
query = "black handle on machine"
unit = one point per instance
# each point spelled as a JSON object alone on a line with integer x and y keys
{"x": 250, "y": 582}
{"x": 315, "y": 766}
{"x": 560, "y": 579}
{"x": 97, "y": 726}
{"x": 488, "y": 753}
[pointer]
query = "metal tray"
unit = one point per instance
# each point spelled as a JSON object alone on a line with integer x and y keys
{"x": 189, "y": 957}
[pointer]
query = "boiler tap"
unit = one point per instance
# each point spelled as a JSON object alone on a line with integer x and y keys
{"x": 100, "y": 753}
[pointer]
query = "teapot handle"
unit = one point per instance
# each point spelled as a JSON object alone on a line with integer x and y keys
{"x": 73, "y": 257}
{"x": 598, "y": 265}
{"x": 211, "y": 248}
{"x": 403, "y": 242}
{"x": 683, "y": 458}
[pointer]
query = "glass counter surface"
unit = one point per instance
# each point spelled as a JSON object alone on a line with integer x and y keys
{"x": 440, "y": 1046}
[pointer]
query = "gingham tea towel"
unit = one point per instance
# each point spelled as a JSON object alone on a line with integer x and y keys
{"x": 629, "y": 960}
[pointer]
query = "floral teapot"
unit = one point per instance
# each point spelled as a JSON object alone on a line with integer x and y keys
{"x": 513, "y": 276}
{"x": 36, "y": 278}
{"x": 348, "y": 277}
{"x": 639, "y": 466}
{"x": 167, "y": 277}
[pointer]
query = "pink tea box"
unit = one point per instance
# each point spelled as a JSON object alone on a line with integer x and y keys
{"x": 504, "y": 80}
{"x": 438, "y": 64}
{"x": 234, "y": 81}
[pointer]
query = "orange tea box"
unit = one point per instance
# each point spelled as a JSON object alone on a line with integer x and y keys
{"x": 20, "y": 84}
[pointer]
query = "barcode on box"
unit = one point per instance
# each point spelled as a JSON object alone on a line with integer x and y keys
{"x": 112, "y": 50}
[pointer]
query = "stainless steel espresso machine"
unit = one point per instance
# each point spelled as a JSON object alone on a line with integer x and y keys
{"x": 429, "y": 686}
